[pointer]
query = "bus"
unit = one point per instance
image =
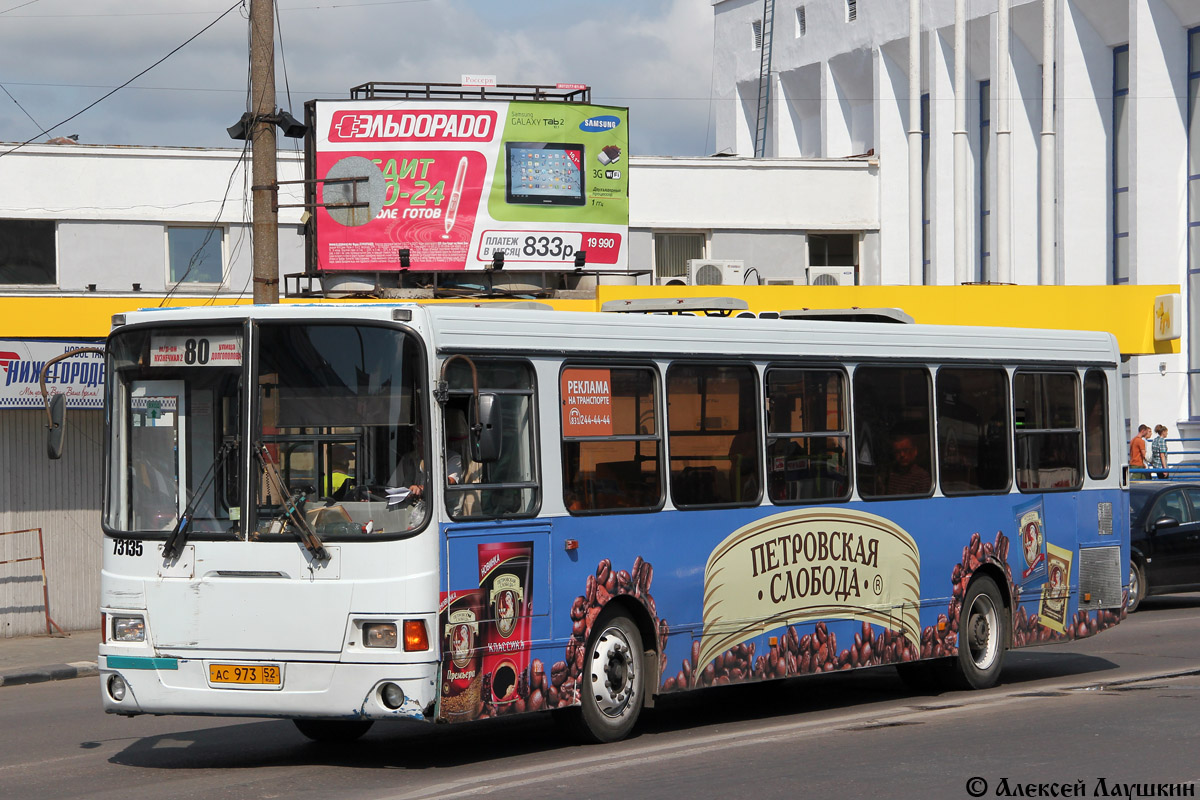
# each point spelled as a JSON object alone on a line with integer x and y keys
{"x": 339, "y": 514}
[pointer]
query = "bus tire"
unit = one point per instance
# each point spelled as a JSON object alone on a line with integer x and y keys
{"x": 612, "y": 686}
{"x": 1137, "y": 586}
{"x": 333, "y": 730}
{"x": 982, "y": 636}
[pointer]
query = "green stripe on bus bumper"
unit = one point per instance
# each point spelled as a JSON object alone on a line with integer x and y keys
{"x": 140, "y": 662}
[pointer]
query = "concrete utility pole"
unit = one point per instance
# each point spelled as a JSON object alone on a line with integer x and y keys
{"x": 262, "y": 138}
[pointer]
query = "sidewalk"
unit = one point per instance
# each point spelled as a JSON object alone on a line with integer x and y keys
{"x": 33, "y": 659}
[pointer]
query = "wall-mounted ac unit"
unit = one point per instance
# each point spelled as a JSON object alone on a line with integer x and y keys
{"x": 708, "y": 272}
{"x": 831, "y": 276}
{"x": 674, "y": 280}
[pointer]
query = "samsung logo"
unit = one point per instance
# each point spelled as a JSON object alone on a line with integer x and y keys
{"x": 599, "y": 124}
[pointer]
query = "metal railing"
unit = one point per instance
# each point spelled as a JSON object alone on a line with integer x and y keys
{"x": 41, "y": 559}
{"x": 1182, "y": 465}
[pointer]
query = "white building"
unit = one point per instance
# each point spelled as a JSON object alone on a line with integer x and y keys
{"x": 1123, "y": 205}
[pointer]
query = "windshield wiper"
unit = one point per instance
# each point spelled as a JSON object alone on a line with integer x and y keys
{"x": 173, "y": 547}
{"x": 291, "y": 506}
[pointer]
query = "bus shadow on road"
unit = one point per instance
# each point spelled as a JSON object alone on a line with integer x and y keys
{"x": 275, "y": 743}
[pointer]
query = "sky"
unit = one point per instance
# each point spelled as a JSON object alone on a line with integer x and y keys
{"x": 59, "y": 56}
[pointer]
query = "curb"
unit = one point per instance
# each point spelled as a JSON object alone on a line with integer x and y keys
{"x": 52, "y": 672}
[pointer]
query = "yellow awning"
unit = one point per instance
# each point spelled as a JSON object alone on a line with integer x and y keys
{"x": 1129, "y": 312}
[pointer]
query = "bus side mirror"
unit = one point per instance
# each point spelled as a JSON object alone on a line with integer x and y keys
{"x": 58, "y": 412}
{"x": 485, "y": 433}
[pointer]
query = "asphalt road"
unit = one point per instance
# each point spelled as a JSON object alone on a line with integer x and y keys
{"x": 1121, "y": 707}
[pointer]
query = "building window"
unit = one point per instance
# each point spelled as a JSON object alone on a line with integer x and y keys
{"x": 1120, "y": 165}
{"x": 829, "y": 250}
{"x": 851, "y": 10}
{"x": 195, "y": 254}
{"x": 27, "y": 252}
{"x": 1193, "y": 198}
{"x": 672, "y": 251}
{"x": 757, "y": 31}
{"x": 985, "y": 200}
{"x": 801, "y": 22}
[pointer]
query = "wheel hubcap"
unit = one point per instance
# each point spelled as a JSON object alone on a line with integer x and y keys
{"x": 1134, "y": 588}
{"x": 613, "y": 673}
{"x": 982, "y": 640}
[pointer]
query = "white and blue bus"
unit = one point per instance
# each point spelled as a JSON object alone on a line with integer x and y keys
{"x": 340, "y": 514}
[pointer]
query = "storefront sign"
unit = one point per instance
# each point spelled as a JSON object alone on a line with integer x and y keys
{"x": 80, "y": 378}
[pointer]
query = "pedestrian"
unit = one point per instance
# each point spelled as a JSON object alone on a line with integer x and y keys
{"x": 1137, "y": 449}
{"x": 1158, "y": 452}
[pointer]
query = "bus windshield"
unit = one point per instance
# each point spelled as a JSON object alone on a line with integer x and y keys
{"x": 339, "y": 430}
{"x": 336, "y": 443}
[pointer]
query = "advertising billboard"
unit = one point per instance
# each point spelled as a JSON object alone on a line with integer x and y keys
{"x": 454, "y": 183}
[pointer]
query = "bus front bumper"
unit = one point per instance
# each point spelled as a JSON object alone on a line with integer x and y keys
{"x": 132, "y": 685}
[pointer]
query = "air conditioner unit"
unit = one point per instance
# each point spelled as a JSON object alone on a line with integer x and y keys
{"x": 707, "y": 272}
{"x": 831, "y": 276}
{"x": 674, "y": 280}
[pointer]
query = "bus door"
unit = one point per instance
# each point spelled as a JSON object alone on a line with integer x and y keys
{"x": 499, "y": 579}
{"x": 157, "y": 433}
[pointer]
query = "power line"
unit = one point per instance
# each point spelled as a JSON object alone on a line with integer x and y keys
{"x": 10, "y": 97}
{"x": 126, "y": 83}
{"x": 14, "y": 8}
{"x": 199, "y": 13}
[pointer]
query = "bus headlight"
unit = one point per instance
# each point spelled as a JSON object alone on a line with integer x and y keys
{"x": 379, "y": 634}
{"x": 129, "y": 629}
{"x": 116, "y": 688}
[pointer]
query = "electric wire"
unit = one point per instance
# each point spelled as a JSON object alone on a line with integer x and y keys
{"x": 18, "y": 102}
{"x": 126, "y": 83}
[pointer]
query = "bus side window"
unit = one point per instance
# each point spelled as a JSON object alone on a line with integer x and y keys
{"x": 807, "y": 436}
{"x": 715, "y": 438}
{"x": 1048, "y": 433}
{"x": 1095, "y": 421}
{"x": 893, "y": 421}
{"x": 612, "y": 454}
{"x": 507, "y": 487}
{"x": 973, "y": 430}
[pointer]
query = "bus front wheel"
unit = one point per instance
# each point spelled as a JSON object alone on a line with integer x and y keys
{"x": 612, "y": 685}
{"x": 333, "y": 730}
{"x": 982, "y": 635}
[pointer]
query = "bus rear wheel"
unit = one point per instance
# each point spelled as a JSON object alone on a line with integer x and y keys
{"x": 333, "y": 730}
{"x": 612, "y": 686}
{"x": 982, "y": 635}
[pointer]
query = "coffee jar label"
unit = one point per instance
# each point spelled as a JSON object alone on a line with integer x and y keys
{"x": 506, "y": 600}
{"x": 1031, "y": 533}
{"x": 807, "y": 565}
{"x": 1056, "y": 591}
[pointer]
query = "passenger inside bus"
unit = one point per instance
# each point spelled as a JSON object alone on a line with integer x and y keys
{"x": 460, "y": 468}
{"x": 907, "y": 474}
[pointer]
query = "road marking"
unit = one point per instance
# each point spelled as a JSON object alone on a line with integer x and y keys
{"x": 526, "y": 775}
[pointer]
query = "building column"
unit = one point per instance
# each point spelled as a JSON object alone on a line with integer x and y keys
{"x": 1158, "y": 179}
{"x": 891, "y": 132}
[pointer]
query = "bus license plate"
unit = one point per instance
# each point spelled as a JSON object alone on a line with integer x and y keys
{"x": 244, "y": 674}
